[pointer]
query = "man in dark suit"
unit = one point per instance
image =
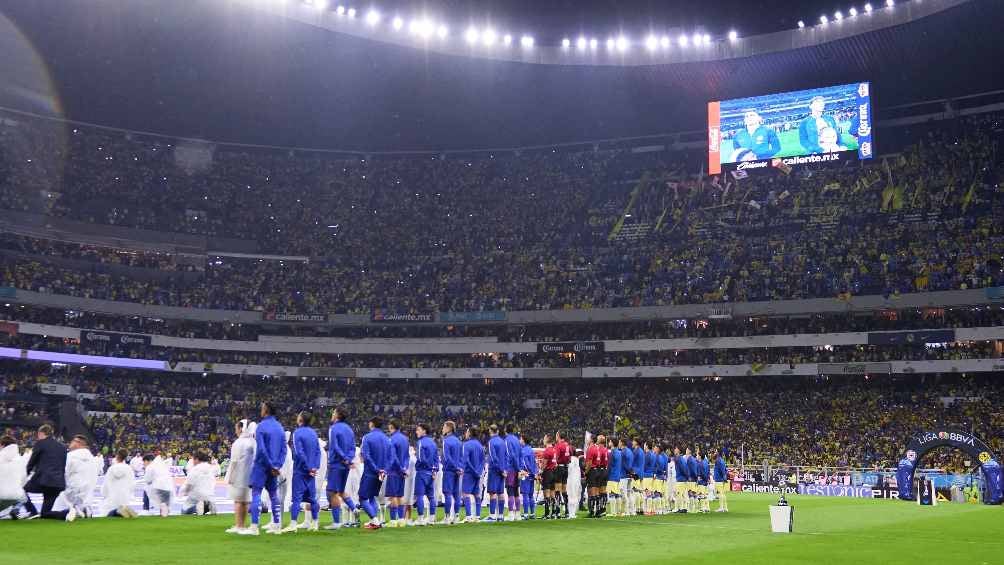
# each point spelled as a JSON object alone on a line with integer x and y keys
{"x": 48, "y": 462}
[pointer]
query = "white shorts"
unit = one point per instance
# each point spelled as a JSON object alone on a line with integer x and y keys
{"x": 239, "y": 494}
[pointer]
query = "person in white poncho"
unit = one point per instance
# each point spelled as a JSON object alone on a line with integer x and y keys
{"x": 119, "y": 487}
{"x": 239, "y": 473}
{"x": 12, "y": 476}
{"x": 159, "y": 484}
{"x": 82, "y": 470}
{"x": 574, "y": 486}
{"x": 200, "y": 485}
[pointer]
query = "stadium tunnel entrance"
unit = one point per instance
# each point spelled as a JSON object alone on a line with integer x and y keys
{"x": 924, "y": 442}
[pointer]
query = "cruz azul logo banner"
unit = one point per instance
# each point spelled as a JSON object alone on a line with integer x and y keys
{"x": 790, "y": 129}
{"x": 571, "y": 347}
{"x": 116, "y": 339}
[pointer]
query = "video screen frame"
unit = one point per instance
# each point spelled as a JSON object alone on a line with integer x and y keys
{"x": 827, "y": 124}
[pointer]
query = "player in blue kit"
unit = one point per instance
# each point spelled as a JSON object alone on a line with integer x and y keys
{"x": 659, "y": 480}
{"x": 341, "y": 451}
{"x": 306, "y": 461}
{"x": 528, "y": 474}
{"x": 453, "y": 470}
{"x": 614, "y": 476}
{"x": 627, "y": 457}
{"x": 375, "y": 454}
{"x": 473, "y": 454}
{"x": 513, "y": 451}
{"x": 693, "y": 474}
{"x": 426, "y": 467}
{"x": 682, "y": 476}
{"x": 269, "y": 457}
{"x": 396, "y": 473}
{"x": 496, "y": 474}
{"x": 647, "y": 480}
{"x": 721, "y": 478}
{"x": 637, "y": 476}
{"x": 704, "y": 471}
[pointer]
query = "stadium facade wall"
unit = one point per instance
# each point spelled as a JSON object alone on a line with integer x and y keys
{"x": 461, "y": 346}
{"x": 869, "y": 303}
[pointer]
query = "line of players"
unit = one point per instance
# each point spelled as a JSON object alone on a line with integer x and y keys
{"x": 643, "y": 479}
{"x": 632, "y": 480}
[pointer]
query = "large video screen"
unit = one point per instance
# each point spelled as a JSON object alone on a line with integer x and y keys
{"x": 831, "y": 124}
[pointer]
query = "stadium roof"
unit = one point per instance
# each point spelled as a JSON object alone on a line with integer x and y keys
{"x": 231, "y": 72}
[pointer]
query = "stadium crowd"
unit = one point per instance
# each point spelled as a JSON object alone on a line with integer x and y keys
{"x": 509, "y": 232}
{"x": 858, "y": 421}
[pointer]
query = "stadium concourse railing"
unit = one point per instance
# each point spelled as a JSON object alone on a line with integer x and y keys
{"x": 475, "y": 345}
{"x": 627, "y": 372}
{"x": 864, "y": 303}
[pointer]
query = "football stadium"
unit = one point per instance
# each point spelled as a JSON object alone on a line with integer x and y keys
{"x": 469, "y": 281}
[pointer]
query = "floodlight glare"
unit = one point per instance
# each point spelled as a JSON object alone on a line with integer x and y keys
{"x": 733, "y": 35}
{"x": 823, "y": 19}
{"x": 707, "y": 39}
{"x": 665, "y": 42}
{"x": 696, "y": 40}
{"x": 593, "y": 43}
{"x": 442, "y": 31}
{"x": 489, "y": 37}
{"x": 838, "y": 15}
{"x": 651, "y": 43}
{"x": 868, "y": 8}
{"x": 351, "y": 12}
{"x": 566, "y": 43}
{"x": 425, "y": 28}
{"x": 340, "y": 10}
{"x": 471, "y": 35}
{"x": 801, "y": 24}
{"x": 507, "y": 39}
{"x": 526, "y": 41}
{"x": 372, "y": 17}
{"x": 580, "y": 43}
{"x": 890, "y": 3}
{"x": 683, "y": 41}
{"x": 853, "y": 11}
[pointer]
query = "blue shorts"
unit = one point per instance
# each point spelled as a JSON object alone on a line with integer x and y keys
{"x": 369, "y": 486}
{"x": 337, "y": 477}
{"x": 526, "y": 486}
{"x": 425, "y": 486}
{"x": 451, "y": 482}
{"x": 263, "y": 478}
{"x": 471, "y": 484}
{"x": 395, "y": 486}
{"x": 496, "y": 482}
{"x": 304, "y": 488}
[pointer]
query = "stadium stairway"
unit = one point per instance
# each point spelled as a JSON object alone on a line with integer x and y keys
{"x": 633, "y": 232}
{"x": 71, "y": 422}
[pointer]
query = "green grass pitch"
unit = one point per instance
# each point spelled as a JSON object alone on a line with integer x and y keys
{"x": 827, "y": 530}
